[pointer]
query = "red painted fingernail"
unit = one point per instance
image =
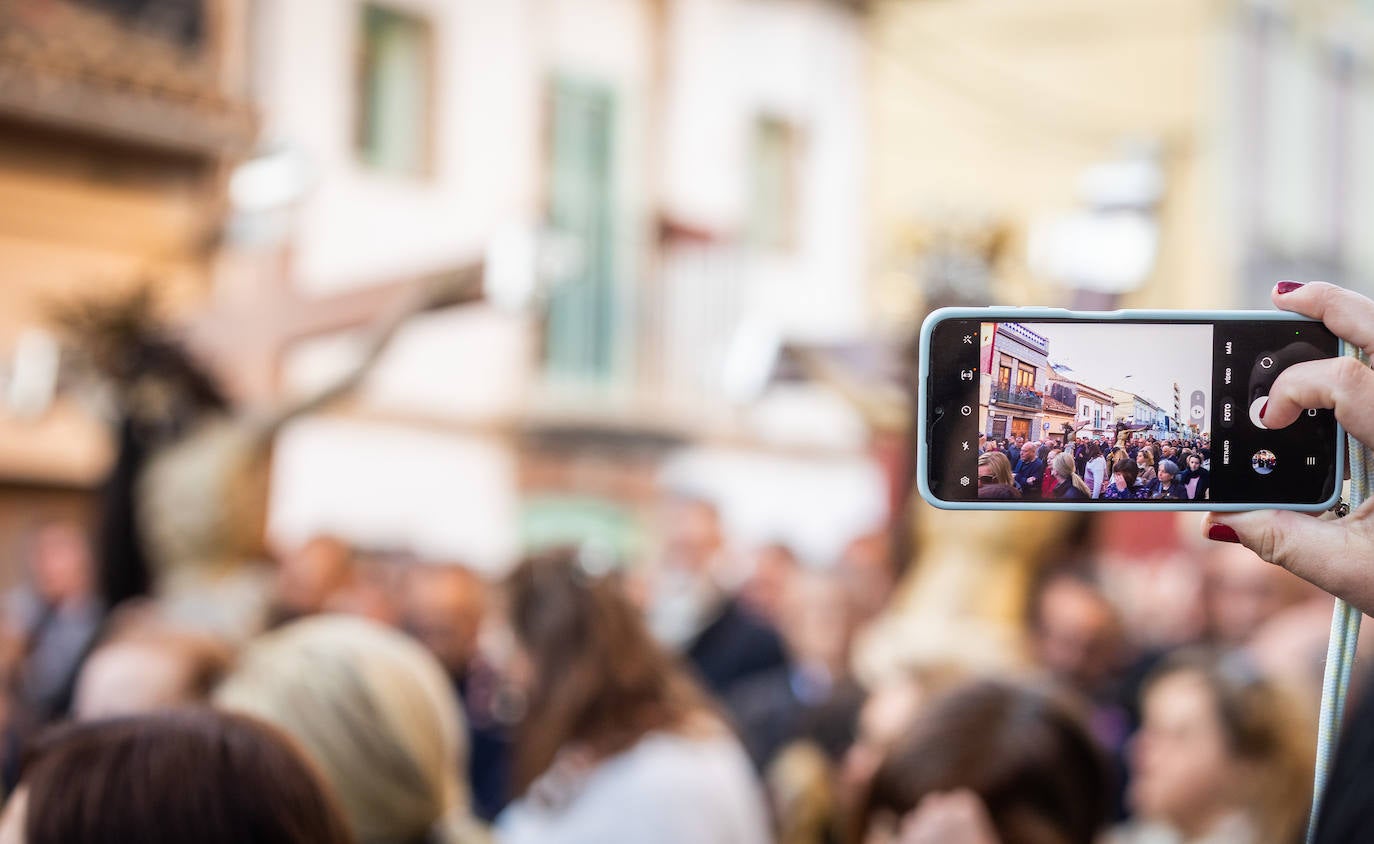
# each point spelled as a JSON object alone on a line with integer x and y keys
{"x": 1222, "y": 533}
{"x": 1263, "y": 408}
{"x": 1288, "y": 286}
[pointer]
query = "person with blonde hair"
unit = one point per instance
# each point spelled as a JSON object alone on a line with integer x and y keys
{"x": 374, "y": 711}
{"x": 1145, "y": 464}
{"x": 1068, "y": 483}
{"x": 995, "y": 477}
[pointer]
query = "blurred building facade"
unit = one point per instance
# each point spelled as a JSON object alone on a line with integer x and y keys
{"x": 118, "y": 125}
{"x": 685, "y": 183}
{"x": 1172, "y": 154}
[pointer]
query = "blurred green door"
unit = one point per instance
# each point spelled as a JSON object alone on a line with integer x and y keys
{"x": 581, "y": 333}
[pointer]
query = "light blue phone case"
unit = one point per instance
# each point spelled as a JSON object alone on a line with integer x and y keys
{"x": 1018, "y": 314}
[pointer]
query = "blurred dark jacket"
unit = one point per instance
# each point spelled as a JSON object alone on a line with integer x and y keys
{"x": 784, "y": 705}
{"x": 1029, "y": 474}
{"x": 735, "y": 646}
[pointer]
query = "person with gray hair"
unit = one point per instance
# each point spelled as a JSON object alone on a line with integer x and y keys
{"x": 374, "y": 711}
{"x": 1165, "y": 484}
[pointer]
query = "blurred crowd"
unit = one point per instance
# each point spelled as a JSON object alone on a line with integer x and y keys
{"x": 1133, "y": 468}
{"x": 706, "y": 695}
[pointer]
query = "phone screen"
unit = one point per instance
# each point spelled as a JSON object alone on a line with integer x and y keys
{"x": 1069, "y": 410}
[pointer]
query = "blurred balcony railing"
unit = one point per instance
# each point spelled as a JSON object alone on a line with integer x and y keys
{"x": 100, "y": 69}
{"x": 691, "y": 321}
{"x": 1017, "y": 396}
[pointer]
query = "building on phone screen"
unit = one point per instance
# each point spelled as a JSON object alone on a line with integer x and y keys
{"x": 1020, "y": 373}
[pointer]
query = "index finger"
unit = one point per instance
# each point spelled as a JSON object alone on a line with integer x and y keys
{"x": 1349, "y": 315}
{"x": 1343, "y": 383}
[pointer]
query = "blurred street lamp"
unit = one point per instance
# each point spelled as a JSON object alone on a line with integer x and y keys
{"x": 31, "y": 382}
{"x": 263, "y": 193}
{"x": 524, "y": 263}
{"x": 1109, "y": 248}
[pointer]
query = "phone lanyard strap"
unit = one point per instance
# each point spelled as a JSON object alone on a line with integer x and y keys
{"x": 1340, "y": 649}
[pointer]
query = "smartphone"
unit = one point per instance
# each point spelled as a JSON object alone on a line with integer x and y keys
{"x": 1002, "y": 389}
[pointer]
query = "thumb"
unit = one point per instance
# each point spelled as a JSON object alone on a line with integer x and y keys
{"x": 1317, "y": 550}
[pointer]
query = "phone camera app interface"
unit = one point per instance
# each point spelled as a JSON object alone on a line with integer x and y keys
{"x": 1073, "y": 411}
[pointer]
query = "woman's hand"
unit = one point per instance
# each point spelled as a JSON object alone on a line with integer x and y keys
{"x": 956, "y": 817}
{"x": 1335, "y": 554}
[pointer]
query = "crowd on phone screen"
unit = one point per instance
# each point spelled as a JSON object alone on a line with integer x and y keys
{"x": 1136, "y": 467}
{"x": 707, "y": 696}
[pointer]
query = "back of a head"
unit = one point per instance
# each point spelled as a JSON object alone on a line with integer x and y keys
{"x": 181, "y": 775}
{"x": 374, "y": 711}
{"x": 149, "y": 667}
{"x": 600, "y": 679}
{"x": 1025, "y": 753}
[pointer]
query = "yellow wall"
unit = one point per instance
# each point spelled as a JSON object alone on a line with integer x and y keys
{"x": 78, "y": 221}
{"x": 987, "y": 111}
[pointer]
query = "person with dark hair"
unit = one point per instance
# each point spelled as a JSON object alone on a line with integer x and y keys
{"x": 1075, "y": 636}
{"x": 1094, "y": 469}
{"x": 50, "y": 622}
{"x": 991, "y": 763}
{"x": 694, "y": 610}
{"x": 1195, "y": 479}
{"x": 1122, "y": 485}
{"x": 179, "y": 776}
{"x": 618, "y": 743}
{"x": 443, "y": 607}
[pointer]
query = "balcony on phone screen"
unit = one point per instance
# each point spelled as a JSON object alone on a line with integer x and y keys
{"x": 1017, "y": 396}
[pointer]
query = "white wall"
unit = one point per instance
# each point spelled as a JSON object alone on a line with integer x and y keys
{"x": 438, "y": 495}
{"x": 733, "y": 60}
{"x": 358, "y": 226}
{"x": 815, "y": 505}
{"x": 469, "y": 364}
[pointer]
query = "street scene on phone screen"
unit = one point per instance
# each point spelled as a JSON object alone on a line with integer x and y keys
{"x": 1075, "y": 411}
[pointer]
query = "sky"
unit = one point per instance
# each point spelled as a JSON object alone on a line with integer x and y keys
{"x": 1102, "y": 355}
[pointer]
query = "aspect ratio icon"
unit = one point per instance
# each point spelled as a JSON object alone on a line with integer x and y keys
{"x": 966, "y": 375}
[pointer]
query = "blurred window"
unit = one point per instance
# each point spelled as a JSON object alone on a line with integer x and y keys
{"x": 776, "y": 171}
{"x": 582, "y": 326}
{"x": 1025, "y": 378}
{"x": 396, "y": 65}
